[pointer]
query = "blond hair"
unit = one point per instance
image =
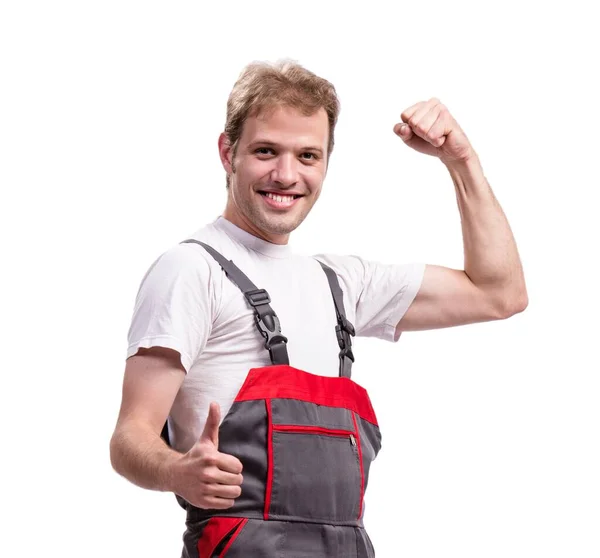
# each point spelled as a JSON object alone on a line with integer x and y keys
{"x": 263, "y": 86}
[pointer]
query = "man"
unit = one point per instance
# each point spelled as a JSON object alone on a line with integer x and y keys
{"x": 269, "y": 440}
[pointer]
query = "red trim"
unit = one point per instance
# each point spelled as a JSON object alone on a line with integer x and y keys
{"x": 269, "y": 460}
{"x": 311, "y": 430}
{"x": 360, "y": 462}
{"x": 215, "y": 531}
{"x": 233, "y": 537}
{"x": 285, "y": 382}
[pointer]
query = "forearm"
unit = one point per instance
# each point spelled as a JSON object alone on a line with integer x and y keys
{"x": 142, "y": 457}
{"x": 491, "y": 258}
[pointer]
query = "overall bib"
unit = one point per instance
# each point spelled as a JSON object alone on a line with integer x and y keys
{"x": 306, "y": 443}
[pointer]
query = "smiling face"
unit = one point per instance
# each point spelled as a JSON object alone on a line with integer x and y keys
{"x": 276, "y": 172}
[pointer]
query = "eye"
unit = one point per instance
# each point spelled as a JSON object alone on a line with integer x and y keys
{"x": 311, "y": 156}
{"x": 263, "y": 151}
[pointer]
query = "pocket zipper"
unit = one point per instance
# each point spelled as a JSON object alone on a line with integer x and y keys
{"x": 301, "y": 429}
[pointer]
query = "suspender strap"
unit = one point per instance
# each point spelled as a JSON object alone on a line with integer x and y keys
{"x": 344, "y": 329}
{"x": 267, "y": 321}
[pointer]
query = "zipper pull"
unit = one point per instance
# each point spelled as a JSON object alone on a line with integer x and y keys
{"x": 352, "y": 440}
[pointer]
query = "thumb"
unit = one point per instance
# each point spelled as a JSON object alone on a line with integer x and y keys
{"x": 403, "y": 130}
{"x": 211, "y": 428}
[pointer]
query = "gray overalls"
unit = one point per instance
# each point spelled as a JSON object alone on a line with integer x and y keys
{"x": 306, "y": 443}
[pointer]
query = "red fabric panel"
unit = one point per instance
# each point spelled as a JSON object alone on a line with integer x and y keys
{"x": 360, "y": 461}
{"x": 269, "y": 460}
{"x": 285, "y": 382}
{"x": 233, "y": 537}
{"x": 214, "y": 532}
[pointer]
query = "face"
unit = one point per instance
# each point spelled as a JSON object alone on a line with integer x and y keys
{"x": 277, "y": 172}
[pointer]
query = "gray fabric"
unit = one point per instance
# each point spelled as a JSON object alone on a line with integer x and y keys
{"x": 243, "y": 433}
{"x": 277, "y": 539}
{"x": 315, "y": 478}
{"x": 370, "y": 445}
{"x": 291, "y": 411}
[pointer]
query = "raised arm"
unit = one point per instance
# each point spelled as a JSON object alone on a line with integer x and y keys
{"x": 492, "y": 284}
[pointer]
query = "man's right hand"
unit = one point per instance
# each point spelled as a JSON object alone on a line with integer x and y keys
{"x": 205, "y": 477}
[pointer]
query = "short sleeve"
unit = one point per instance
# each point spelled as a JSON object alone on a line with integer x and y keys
{"x": 380, "y": 293}
{"x": 174, "y": 305}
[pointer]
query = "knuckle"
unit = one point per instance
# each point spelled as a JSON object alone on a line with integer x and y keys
{"x": 203, "y": 491}
{"x": 207, "y": 475}
{"x": 431, "y": 136}
{"x": 210, "y": 460}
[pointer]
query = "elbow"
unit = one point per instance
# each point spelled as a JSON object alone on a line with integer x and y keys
{"x": 115, "y": 453}
{"x": 512, "y": 304}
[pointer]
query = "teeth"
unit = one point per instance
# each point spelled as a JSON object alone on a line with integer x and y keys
{"x": 279, "y": 198}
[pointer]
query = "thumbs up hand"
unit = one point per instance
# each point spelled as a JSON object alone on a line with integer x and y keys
{"x": 205, "y": 477}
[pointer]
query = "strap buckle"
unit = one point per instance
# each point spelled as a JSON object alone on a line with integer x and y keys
{"x": 272, "y": 334}
{"x": 343, "y": 331}
{"x": 258, "y": 297}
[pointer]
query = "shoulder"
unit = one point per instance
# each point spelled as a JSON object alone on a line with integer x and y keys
{"x": 186, "y": 263}
{"x": 178, "y": 263}
{"x": 367, "y": 276}
{"x": 349, "y": 268}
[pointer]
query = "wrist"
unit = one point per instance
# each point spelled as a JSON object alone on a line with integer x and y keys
{"x": 468, "y": 170}
{"x": 469, "y": 162}
{"x": 166, "y": 473}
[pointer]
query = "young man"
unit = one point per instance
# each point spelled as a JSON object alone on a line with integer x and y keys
{"x": 269, "y": 440}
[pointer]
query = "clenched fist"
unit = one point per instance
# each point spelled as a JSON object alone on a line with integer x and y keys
{"x": 428, "y": 127}
{"x": 205, "y": 477}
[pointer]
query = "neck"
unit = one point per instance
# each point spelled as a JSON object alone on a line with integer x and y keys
{"x": 239, "y": 220}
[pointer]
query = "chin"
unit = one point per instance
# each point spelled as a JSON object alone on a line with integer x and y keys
{"x": 279, "y": 226}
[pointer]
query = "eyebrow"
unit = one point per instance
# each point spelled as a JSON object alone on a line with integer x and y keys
{"x": 273, "y": 144}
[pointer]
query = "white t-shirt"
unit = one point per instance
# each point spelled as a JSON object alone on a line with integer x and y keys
{"x": 187, "y": 303}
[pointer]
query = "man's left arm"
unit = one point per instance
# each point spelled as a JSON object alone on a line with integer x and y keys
{"x": 492, "y": 284}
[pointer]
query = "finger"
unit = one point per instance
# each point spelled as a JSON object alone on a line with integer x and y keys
{"x": 211, "y": 428}
{"x": 212, "y": 503}
{"x": 423, "y": 128}
{"x": 423, "y": 119}
{"x": 437, "y": 133}
{"x": 414, "y": 120}
{"x": 229, "y": 463}
{"x": 413, "y": 114}
{"x": 224, "y": 491}
{"x": 217, "y": 476}
{"x": 404, "y": 131}
{"x": 410, "y": 111}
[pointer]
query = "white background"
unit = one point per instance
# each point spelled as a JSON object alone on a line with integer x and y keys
{"x": 109, "y": 118}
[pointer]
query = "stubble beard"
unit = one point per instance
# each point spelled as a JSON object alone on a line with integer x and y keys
{"x": 260, "y": 217}
{"x": 271, "y": 222}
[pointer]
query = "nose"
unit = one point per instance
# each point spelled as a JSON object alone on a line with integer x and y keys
{"x": 285, "y": 171}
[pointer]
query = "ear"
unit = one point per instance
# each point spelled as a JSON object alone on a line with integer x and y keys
{"x": 226, "y": 152}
